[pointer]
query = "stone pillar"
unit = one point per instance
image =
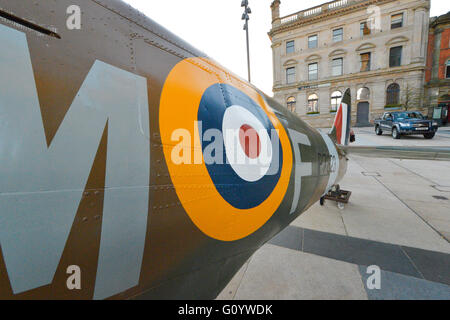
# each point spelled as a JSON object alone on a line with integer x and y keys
{"x": 275, "y": 6}
{"x": 353, "y": 91}
{"x": 302, "y": 103}
{"x": 436, "y": 54}
{"x": 420, "y": 36}
{"x": 278, "y": 69}
{"x": 324, "y": 101}
{"x": 378, "y": 97}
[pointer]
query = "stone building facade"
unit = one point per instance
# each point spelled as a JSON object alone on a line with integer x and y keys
{"x": 377, "y": 48}
{"x": 438, "y": 69}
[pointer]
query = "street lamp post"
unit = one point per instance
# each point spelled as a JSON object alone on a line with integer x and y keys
{"x": 246, "y": 17}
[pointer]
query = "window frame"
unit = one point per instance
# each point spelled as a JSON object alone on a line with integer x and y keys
{"x": 290, "y": 47}
{"x": 337, "y": 99}
{"x": 291, "y": 103}
{"x": 369, "y": 64}
{"x": 341, "y": 35}
{"x": 316, "y": 41}
{"x": 395, "y": 25}
{"x": 393, "y": 96}
{"x": 316, "y": 71}
{"x": 362, "y": 30}
{"x": 447, "y": 69}
{"x": 391, "y": 65}
{"x": 333, "y": 66}
{"x": 314, "y": 108}
{"x": 359, "y": 94}
{"x": 294, "y": 74}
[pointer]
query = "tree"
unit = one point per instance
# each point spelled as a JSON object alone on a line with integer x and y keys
{"x": 412, "y": 98}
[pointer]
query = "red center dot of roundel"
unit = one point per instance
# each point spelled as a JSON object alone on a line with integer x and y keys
{"x": 250, "y": 141}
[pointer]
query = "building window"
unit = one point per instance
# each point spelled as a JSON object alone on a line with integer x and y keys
{"x": 397, "y": 21}
{"x": 290, "y": 47}
{"x": 365, "y": 61}
{"x": 338, "y": 35}
{"x": 364, "y": 29}
{"x": 337, "y": 67}
{"x": 291, "y": 104}
{"x": 447, "y": 71}
{"x": 290, "y": 75}
{"x": 393, "y": 94}
{"x": 363, "y": 94}
{"x": 313, "y": 71}
{"x": 336, "y": 99}
{"x": 313, "y": 103}
{"x": 395, "y": 57}
{"x": 313, "y": 42}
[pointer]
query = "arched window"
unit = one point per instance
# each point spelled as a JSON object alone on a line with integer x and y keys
{"x": 363, "y": 94}
{"x": 336, "y": 99}
{"x": 313, "y": 103}
{"x": 447, "y": 70}
{"x": 393, "y": 94}
{"x": 291, "y": 104}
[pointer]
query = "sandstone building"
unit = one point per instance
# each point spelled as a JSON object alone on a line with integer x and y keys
{"x": 377, "y": 48}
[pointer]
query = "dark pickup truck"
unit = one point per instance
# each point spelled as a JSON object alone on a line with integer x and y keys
{"x": 406, "y": 123}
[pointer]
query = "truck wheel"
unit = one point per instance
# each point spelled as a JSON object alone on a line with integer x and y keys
{"x": 429, "y": 136}
{"x": 378, "y": 131}
{"x": 395, "y": 133}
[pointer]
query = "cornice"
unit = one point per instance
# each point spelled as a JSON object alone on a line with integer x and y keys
{"x": 351, "y": 77}
{"x": 290, "y": 62}
{"x": 366, "y": 46}
{"x": 325, "y": 16}
{"x": 313, "y": 57}
{"x": 397, "y": 40}
{"x": 338, "y": 52}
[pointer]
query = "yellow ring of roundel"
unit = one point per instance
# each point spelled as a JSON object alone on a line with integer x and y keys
{"x": 180, "y": 101}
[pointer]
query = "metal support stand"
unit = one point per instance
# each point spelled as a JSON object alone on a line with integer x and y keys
{"x": 341, "y": 197}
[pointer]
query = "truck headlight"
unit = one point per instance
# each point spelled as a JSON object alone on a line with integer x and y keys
{"x": 405, "y": 124}
{"x": 435, "y": 124}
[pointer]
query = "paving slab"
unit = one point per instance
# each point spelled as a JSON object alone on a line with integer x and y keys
{"x": 230, "y": 290}
{"x": 389, "y": 257}
{"x": 359, "y": 251}
{"x": 284, "y": 274}
{"x": 376, "y": 213}
{"x": 434, "y": 266}
{"x": 371, "y": 195}
{"x": 327, "y": 218}
{"x": 413, "y": 192}
{"x": 399, "y": 225}
{"x": 291, "y": 238}
{"x": 434, "y": 171}
{"x": 396, "y": 286}
{"x": 396, "y": 219}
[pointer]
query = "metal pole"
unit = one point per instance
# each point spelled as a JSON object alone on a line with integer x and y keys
{"x": 246, "y": 17}
{"x": 248, "y": 54}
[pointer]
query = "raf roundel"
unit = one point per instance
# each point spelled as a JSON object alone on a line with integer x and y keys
{"x": 246, "y": 157}
{"x": 242, "y": 180}
{"x": 252, "y": 155}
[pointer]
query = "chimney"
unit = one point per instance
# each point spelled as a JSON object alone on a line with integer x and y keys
{"x": 275, "y": 6}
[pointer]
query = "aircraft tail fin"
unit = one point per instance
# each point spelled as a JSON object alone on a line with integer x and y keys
{"x": 407, "y": 153}
{"x": 340, "y": 132}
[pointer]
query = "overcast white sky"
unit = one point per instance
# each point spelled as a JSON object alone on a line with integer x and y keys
{"x": 215, "y": 27}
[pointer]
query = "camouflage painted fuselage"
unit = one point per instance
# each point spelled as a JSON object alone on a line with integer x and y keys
{"x": 87, "y": 176}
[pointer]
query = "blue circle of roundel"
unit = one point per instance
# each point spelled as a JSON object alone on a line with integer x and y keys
{"x": 237, "y": 192}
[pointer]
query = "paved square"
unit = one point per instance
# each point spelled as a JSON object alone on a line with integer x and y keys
{"x": 398, "y": 218}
